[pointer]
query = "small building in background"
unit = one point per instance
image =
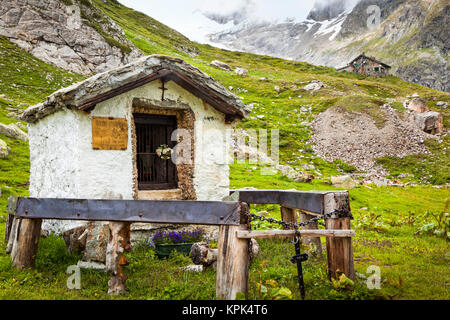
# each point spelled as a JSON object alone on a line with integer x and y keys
{"x": 368, "y": 66}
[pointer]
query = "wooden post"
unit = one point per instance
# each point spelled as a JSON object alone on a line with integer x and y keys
{"x": 233, "y": 260}
{"x": 288, "y": 215}
{"x": 8, "y": 227}
{"x": 12, "y": 235}
{"x": 311, "y": 226}
{"x": 25, "y": 242}
{"x": 22, "y": 236}
{"x": 11, "y": 223}
{"x": 119, "y": 242}
{"x": 339, "y": 250}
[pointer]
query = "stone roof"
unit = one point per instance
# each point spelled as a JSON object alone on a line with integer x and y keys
{"x": 369, "y": 58}
{"x": 86, "y": 94}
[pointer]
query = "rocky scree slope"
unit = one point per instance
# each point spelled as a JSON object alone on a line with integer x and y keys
{"x": 356, "y": 139}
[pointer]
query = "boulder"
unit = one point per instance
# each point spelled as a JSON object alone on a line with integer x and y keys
{"x": 21, "y": 125}
{"x": 221, "y": 65}
{"x": 304, "y": 177}
{"x": 442, "y": 105}
{"x": 97, "y": 238}
{"x": 345, "y": 182}
{"x": 4, "y": 149}
{"x": 13, "y": 131}
{"x": 13, "y": 115}
{"x": 314, "y": 86}
{"x": 431, "y": 122}
{"x": 418, "y": 105}
{"x": 75, "y": 239}
{"x": 287, "y": 171}
{"x": 241, "y": 72}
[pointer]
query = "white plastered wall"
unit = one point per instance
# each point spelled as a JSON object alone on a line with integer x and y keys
{"x": 64, "y": 165}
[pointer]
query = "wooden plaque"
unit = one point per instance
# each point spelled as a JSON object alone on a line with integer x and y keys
{"x": 109, "y": 133}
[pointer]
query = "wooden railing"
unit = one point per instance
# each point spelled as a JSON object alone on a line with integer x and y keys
{"x": 25, "y": 216}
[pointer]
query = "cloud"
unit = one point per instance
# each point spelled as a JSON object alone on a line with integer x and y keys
{"x": 348, "y": 4}
{"x": 224, "y": 11}
{"x": 197, "y": 18}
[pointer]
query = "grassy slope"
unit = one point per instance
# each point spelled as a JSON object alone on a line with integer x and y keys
{"x": 412, "y": 266}
{"x": 24, "y": 81}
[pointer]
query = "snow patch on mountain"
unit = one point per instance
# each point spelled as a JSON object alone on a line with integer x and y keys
{"x": 332, "y": 26}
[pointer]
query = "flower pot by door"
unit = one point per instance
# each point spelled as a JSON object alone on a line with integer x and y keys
{"x": 164, "y": 250}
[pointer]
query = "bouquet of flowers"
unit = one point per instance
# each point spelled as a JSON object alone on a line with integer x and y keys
{"x": 164, "y": 152}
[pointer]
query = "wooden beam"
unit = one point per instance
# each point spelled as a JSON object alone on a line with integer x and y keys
{"x": 232, "y": 263}
{"x": 309, "y": 201}
{"x": 246, "y": 234}
{"x": 233, "y": 260}
{"x": 144, "y": 211}
{"x": 339, "y": 250}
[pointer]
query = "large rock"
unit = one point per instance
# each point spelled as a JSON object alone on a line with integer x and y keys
{"x": 96, "y": 241}
{"x": 304, "y": 177}
{"x": 418, "y": 105}
{"x": 221, "y": 65}
{"x": 14, "y": 115}
{"x": 345, "y": 182}
{"x": 4, "y": 149}
{"x": 442, "y": 104}
{"x": 241, "y": 72}
{"x": 57, "y": 33}
{"x": 430, "y": 122}
{"x": 13, "y": 131}
{"x": 75, "y": 239}
{"x": 314, "y": 86}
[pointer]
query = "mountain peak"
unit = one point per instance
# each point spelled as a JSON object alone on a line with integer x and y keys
{"x": 327, "y": 9}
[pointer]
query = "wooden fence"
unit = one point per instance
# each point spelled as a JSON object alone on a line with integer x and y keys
{"x": 25, "y": 215}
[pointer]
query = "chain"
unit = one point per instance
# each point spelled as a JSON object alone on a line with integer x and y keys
{"x": 299, "y": 257}
{"x": 296, "y": 226}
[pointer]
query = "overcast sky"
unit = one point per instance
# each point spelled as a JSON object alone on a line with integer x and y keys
{"x": 184, "y": 15}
